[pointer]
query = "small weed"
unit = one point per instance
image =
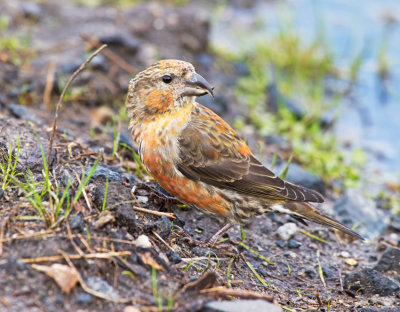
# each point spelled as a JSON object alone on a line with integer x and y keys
{"x": 105, "y": 196}
{"x": 9, "y": 165}
{"x": 243, "y": 233}
{"x": 261, "y": 280}
{"x": 255, "y": 252}
{"x": 129, "y": 273}
{"x": 283, "y": 174}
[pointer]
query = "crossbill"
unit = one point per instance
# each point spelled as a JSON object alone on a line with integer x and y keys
{"x": 197, "y": 157}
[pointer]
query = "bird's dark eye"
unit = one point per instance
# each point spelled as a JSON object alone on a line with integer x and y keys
{"x": 166, "y": 78}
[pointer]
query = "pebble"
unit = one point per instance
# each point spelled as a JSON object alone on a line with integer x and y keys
{"x": 104, "y": 171}
{"x": 328, "y": 272}
{"x": 240, "y": 305}
{"x": 142, "y": 199}
{"x": 83, "y": 298}
{"x": 292, "y": 243}
{"x": 351, "y": 262}
{"x": 286, "y": 231}
{"x": 76, "y": 223}
{"x": 173, "y": 256}
{"x": 345, "y": 254}
{"x": 163, "y": 226}
{"x": 98, "y": 284}
{"x": 280, "y": 243}
{"x": 143, "y": 241}
{"x": 310, "y": 273}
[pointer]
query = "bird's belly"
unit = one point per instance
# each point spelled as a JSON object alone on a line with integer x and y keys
{"x": 191, "y": 192}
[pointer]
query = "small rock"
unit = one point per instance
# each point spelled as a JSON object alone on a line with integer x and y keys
{"x": 59, "y": 301}
{"x": 351, "y": 262}
{"x": 390, "y": 261}
{"x": 99, "y": 63}
{"x": 290, "y": 254}
{"x": 369, "y": 281}
{"x": 76, "y": 223}
{"x": 353, "y": 207}
{"x": 142, "y": 199}
{"x": 286, "y": 231}
{"x": 262, "y": 271}
{"x": 173, "y": 256}
{"x": 328, "y": 272}
{"x": 293, "y": 244}
{"x": 98, "y": 284}
{"x": 310, "y": 273}
{"x": 83, "y": 298}
{"x": 11, "y": 266}
{"x": 345, "y": 254}
{"x": 240, "y": 305}
{"x": 131, "y": 309}
{"x": 280, "y": 243}
{"x": 143, "y": 241}
{"x": 1, "y": 193}
{"x": 104, "y": 171}
{"x": 164, "y": 226}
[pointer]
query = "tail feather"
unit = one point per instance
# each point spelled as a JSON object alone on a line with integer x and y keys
{"x": 307, "y": 211}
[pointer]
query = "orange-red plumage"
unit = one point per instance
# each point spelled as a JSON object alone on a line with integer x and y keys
{"x": 196, "y": 156}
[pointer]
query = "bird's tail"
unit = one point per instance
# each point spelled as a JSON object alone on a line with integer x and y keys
{"x": 304, "y": 210}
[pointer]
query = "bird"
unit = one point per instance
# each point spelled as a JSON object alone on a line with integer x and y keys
{"x": 198, "y": 158}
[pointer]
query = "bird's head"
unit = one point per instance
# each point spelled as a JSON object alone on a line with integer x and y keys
{"x": 163, "y": 86}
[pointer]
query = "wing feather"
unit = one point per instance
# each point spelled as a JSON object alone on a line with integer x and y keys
{"x": 211, "y": 152}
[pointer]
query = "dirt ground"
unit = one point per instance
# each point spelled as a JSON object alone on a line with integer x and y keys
{"x": 128, "y": 258}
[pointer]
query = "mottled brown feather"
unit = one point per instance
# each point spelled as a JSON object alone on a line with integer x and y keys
{"x": 222, "y": 160}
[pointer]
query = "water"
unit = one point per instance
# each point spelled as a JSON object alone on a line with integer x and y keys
{"x": 370, "y": 116}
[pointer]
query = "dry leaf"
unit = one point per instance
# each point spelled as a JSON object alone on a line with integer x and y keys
{"x": 63, "y": 275}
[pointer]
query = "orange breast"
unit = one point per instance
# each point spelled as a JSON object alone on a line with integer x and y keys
{"x": 189, "y": 191}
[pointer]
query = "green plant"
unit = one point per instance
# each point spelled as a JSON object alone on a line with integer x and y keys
{"x": 8, "y": 167}
{"x": 105, "y": 196}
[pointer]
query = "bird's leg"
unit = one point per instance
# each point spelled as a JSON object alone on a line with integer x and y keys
{"x": 212, "y": 240}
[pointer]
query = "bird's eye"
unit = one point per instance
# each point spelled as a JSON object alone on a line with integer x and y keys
{"x": 166, "y": 78}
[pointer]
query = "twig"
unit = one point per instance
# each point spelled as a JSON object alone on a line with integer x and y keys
{"x": 162, "y": 240}
{"x": 157, "y": 213}
{"x": 240, "y": 293}
{"x": 60, "y": 100}
{"x": 104, "y": 255}
{"x": 84, "y": 192}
